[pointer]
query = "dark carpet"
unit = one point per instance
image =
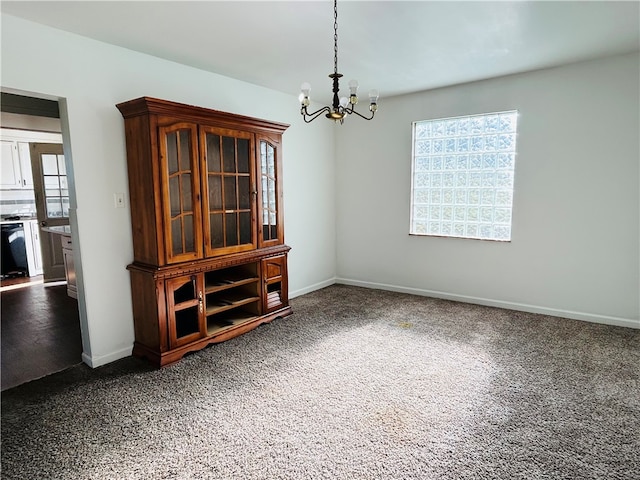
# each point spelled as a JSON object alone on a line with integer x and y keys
{"x": 356, "y": 384}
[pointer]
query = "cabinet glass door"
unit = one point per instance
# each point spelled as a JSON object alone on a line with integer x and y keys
{"x": 229, "y": 201}
{"x": 269, "y": 194}
{"x": 185, "y": 310}
{"x": 181, "y": 192}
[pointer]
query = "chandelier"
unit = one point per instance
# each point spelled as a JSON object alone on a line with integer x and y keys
{"x": 341, "y": 106}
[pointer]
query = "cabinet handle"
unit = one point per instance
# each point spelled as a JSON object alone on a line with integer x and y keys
{"x": 200, "y": 302}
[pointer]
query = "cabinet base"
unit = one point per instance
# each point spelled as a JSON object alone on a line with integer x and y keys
{"x": 163, "y": 359}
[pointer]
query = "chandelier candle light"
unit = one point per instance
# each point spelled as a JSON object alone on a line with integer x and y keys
{"x": 341, "y": 106}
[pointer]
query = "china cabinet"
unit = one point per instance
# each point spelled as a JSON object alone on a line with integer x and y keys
{"x": 210, "y": 261}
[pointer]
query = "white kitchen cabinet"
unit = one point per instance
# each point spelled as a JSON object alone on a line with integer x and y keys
{"x": 25, "y": 165}
{"x": 69, "y": 266}
{"x": 34, "y": 252}
{"x": 10, "y": 173}
{"x": 15, "y": 167}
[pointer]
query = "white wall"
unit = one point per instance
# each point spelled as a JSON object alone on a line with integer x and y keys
{"x": 576, "y": 216}
{"x": 90, "y": 78}
{"x": 575, "y": 237}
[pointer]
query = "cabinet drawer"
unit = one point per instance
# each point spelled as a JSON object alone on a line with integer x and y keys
{"x": 66, "y": 242}
{"x": 273, "y": 268}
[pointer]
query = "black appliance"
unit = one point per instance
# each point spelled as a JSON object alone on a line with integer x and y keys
{"x": 14, "y": 251}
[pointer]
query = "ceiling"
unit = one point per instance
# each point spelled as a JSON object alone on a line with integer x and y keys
{"x": 395, "y": 46}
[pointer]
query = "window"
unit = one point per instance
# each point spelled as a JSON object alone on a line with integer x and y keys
{"x": 462, "y": 176}
{"x": 56, "y": 188}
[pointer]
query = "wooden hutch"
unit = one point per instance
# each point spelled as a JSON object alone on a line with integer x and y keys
{"x": 205, "y": 190}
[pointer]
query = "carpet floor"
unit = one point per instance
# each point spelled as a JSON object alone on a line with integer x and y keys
{"x": 356, "y": 384}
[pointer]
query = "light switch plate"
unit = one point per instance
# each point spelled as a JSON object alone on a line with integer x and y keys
{"x": 118, "y": 199}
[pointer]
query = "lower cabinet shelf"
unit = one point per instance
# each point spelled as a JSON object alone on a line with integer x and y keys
{"x": 228, "y": 303}
{"x": 183, "y": 308}
{"x": 220, "y": 323}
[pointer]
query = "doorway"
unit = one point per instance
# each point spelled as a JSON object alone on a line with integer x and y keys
{"x": 41, "y": 332}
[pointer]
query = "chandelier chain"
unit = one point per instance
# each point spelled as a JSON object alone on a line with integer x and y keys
{"x": 335, "y": 36}
{"x": 341, "y": 107}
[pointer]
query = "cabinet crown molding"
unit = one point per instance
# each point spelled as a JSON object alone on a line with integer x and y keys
{"x": 149, "y": 105}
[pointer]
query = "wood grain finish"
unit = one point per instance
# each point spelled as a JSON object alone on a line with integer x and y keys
{"x": 204, "y": 270}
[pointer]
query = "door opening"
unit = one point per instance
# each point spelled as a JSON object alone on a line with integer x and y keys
{"x": 56, "y": 321}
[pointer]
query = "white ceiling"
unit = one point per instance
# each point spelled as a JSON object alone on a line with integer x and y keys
{"x": 395, "y": 46}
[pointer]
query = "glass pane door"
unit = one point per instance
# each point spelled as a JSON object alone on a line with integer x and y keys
{"x": 269, "y": 193}
{"x": 178, "y": 147}
{"x": 185, "y": 309}
{"x": 51, "y": 190}
{"x": 229, "y": 198}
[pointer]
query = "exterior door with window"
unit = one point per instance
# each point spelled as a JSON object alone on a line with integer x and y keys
{"x": 52, "y": 204}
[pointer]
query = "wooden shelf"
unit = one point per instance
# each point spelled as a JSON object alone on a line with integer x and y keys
{"x": 185, "y": 304}
{"x": 212, "y": 287}
{"x": 228, "y": 303}
{"x": 217, "y": 325}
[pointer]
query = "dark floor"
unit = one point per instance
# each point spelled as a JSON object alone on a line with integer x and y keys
{"x": 40, "y": 333}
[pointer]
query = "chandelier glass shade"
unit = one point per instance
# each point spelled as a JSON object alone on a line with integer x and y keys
{"x": 342, "y": 106}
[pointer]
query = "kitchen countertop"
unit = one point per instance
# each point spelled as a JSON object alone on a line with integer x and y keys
{"x": 64, "y": 230}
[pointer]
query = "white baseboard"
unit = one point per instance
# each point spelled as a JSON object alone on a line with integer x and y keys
{"x": 587, "y": 317}
{"x": 312, "y": 288}
{"x": 98, "y": 361}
